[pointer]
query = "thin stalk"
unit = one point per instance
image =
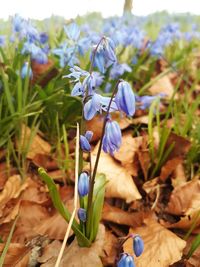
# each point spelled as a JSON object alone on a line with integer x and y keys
{"x": 92, "y": 180}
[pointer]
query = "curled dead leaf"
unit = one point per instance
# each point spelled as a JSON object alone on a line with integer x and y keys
{"x": 181, "y": 202}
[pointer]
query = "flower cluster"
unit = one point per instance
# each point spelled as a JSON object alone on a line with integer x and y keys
{"x": 127, "y": 260}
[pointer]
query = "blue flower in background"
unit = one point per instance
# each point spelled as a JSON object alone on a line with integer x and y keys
{"x": 73, "y": 31}
{"x": 66, "y": 54}
{"x": 118, "y": 70}
{"x": 146, "y": 101}
{"x": 2, "y": 40}
{"x": 26, "y": 71}
{"x": 112, "y": 137}
{"x": 18, "y": 23}
{"x": 43, "y": 37}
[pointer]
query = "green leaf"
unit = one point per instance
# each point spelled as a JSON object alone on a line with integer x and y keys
{"x": 194, "y": 246}
{"x": 58, "y": 204}
{"x": 98, "y": 198}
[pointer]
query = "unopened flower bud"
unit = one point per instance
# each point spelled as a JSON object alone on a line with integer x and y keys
{"x": 83, "y": 184}
{"x": 138, "y": 245}
{"x": 126, "y": 261}
{"x": 82, "y": 215}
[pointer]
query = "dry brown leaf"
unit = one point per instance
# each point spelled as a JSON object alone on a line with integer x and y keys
{"x": 141, "y": 120}
{"x": 10, "y": 210}
{"x": 50, "y": 251}
{"x": 35, "y": 192}
{"x": 161, "y": 246}
{"x": 128, "y": 148}
{"x": 36, "y": 146}
{"x": 30, "y": 215}
{"x": 195, "y": 258}
{"x": 80, "y": 256}
{"x": 45, "y": 161}
{"x": 16, "y": 256}
{"x": 120, "y": 183}
{"x": 55, "y": 226}
{"x": 109, "y": 249}
{"x": 5, "y": 172}
{"x": 181, "y": 202}
{"x": 163, "y": 85}
{"x": 168, "y": 168}
{"x": 12, "y": 189}
{"x": 119, "y": 216}
{"x": 179, "y": 177}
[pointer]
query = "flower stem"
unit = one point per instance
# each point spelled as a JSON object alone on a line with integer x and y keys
{"x": 93, "y": 175}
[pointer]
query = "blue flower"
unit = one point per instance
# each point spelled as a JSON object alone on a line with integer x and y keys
{"x": 18, "y": 23}
{"x": 119, "y": 69}
{"x": 83, "y": 184}
{"x": 2, "y": 40}
{"x": 72, "y": 31}
{"x": 84, "y": 144}
{"x": 146, "y": 101}
{"x": 112, "y": 137}
{"x": 43, "y": 37}
{"x": 96, "y": 104}
{"x": 126, "y": 261}
{"x": 77, "y": 90}
{"x": 82, "y": 215}
{"x": 138, "y": 245}
{"x": 26, "y": 71}
{"x": 125, "y": 98}
{"x": 66, "y": 54}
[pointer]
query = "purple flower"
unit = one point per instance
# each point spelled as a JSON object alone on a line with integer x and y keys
{"x": 82, "y": 214}
{"x": 126, "y": 261}
{"x": 26, "y": 71}
{"x": 112, "y": 137}
{"x": 18, "y": 23}
{"x": 83, "y": 184}
{"x": 138, "y": 245}
{"x": 125, "y": 98}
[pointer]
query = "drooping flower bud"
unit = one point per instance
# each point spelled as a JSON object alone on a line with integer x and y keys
{"x": 84, "y": 144}
{"x": 83, "y": 184}
{"x": 26, "y": 71}
{"x": 125, "y": 98}
{"x": 89, "y": 135}
{"x": 82, "y": 215}
{"x": 126, "y": 261}
{"x": 112, "y": 137}
{"x": 138, "y": 245}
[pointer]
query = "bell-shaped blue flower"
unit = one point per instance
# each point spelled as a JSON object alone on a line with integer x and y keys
{"x": 125, "y": 98}
{"x": 126, "y": 261}
{"x": 83, "y": 184}
{"x": 112, "y": 137}
{"x": 26, "y": 71}
{"x": 138, "y": 245}
{"x": 82, "y": 215}
{"x": 84, "y": 144}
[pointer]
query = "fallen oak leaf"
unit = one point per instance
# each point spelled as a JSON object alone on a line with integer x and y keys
{"x": 120, "y": 183}
{"x": 16, "y": 256}
{"x": 168, "y": 168}
{"x": 161, "y": 246}
{"x": 109, "y": 249}
{"x": 116, "y": 215}
{"x": 12, "y": 189}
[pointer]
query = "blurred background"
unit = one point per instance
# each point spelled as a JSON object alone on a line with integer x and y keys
{"x": 38, "y": 9}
